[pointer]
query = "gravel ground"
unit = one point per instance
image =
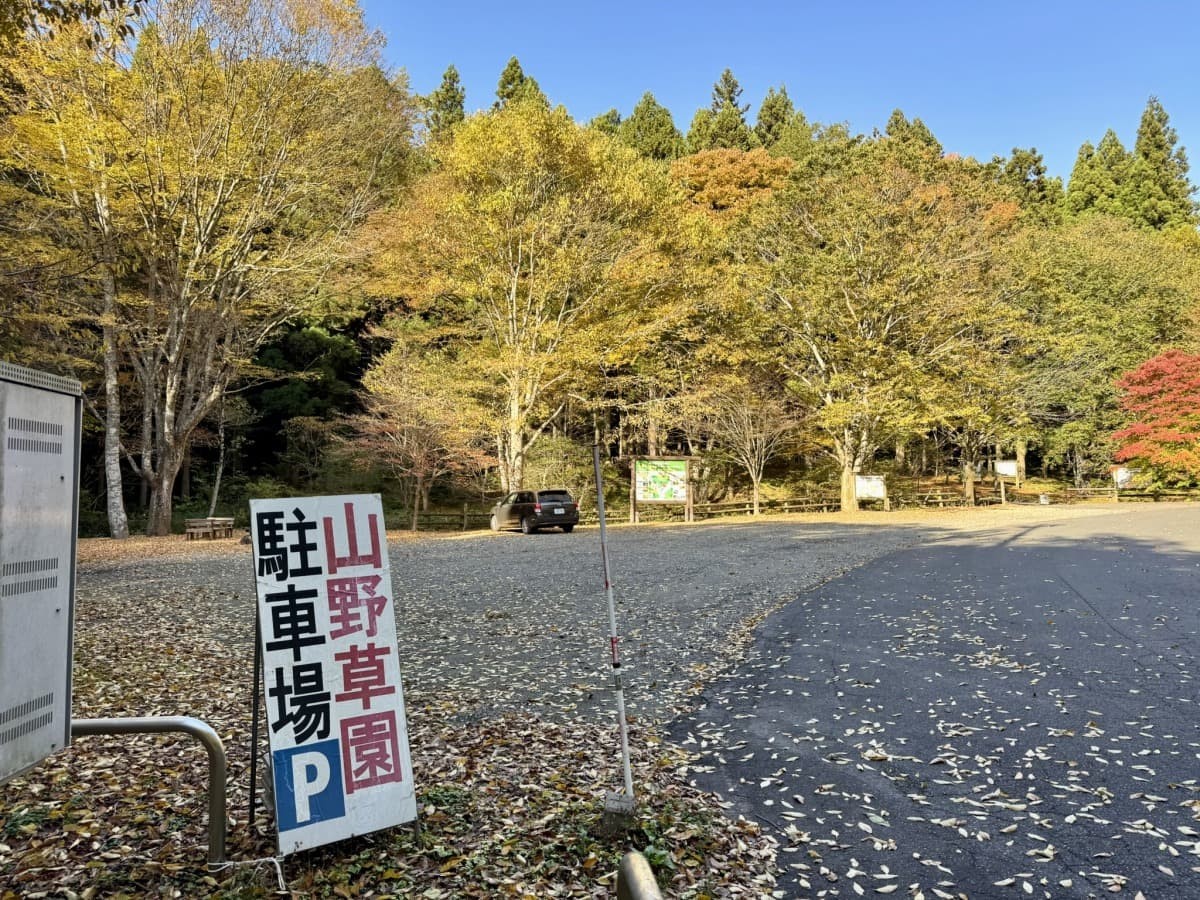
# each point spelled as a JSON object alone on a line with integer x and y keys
{"x": 503, "y": 622}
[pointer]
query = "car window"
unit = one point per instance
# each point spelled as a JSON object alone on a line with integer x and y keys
{"x": 555, "y": 497}
{"x": 525, "y": 497}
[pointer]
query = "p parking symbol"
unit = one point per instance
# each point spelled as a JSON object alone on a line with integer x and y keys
{"x": 308, "y": 785}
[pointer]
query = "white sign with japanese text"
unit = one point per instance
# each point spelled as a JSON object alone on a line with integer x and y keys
{"x": 335, "y": 704}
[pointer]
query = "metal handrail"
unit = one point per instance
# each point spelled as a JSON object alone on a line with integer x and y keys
{"x": 187, "y": 725}
{"x": 635, "y": 879}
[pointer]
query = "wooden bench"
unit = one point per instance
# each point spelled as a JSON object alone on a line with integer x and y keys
{"x": 210, "y": 527}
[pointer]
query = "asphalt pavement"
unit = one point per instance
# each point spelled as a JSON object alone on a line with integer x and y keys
{"x": 1010, "y": 713}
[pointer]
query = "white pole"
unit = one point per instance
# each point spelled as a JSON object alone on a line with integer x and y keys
{"x": 612, "y": 627}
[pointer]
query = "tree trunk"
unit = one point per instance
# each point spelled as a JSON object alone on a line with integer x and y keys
{"x": 754, "y": 489}
{"x": 849, "y": 502}
{"x": 1021, "y": 451}
{"x": 416, "y": 504}
{"x": 968, "y": 477}
{"x": 216, "y": 491}
{"x": 118, "y": 521}
{"x": 162, "y": 487}
{"x": 901, "y": 458}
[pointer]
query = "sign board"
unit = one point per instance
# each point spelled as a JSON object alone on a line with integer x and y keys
{"x": 660, "y": 480}
{"x": 1122, "y": 476}
{"x": 331, "y": 672}
{"x": 870, "y": 487}
{"x": 1006, "y": 468}
{"x": 39, "y": 491}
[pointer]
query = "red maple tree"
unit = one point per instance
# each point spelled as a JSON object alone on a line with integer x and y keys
{"x": 1161, "y": 399}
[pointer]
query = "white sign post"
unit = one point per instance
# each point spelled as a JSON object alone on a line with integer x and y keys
{"x": 39, "y": 491}
{"x": 331, "y": 673}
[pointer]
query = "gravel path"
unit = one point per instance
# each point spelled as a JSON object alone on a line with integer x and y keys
{"x": 495, "y": 622}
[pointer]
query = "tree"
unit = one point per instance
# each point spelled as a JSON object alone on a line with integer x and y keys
{"x": 1099, "y": 177}
{"x": 1103, "y": 295}
{"x": 751, "y": 425}
{"x": 901, "y": 129}
{"x": 869, "y": 284}
{"x": 414, "y": 425}
{"x": 776, "y": 111}
{"x": 723, "y": 124}
{"x": 725, "y": 183}
{"x": 515, "y": 84}
{"x": 520, "y": 253}
{"x": 207, "y": 177}
{"x": 19, "y": 17}
{"x": 607, "y": 123}
{"x": 1161, "y": 402}
{"x": 1159, "y": 194}
{"x": 651, "y": 131}
{"x": 444, "y": 107}
{"x": 1024, "y": 173}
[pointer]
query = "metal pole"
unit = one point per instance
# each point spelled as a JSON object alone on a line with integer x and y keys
{"x": 612, "y": 627}
{"x": 187, "y": 725}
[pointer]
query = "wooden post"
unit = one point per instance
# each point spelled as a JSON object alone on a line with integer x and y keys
{"x": 464, "y": 516}
{"x": 1003, "y": 497}
{"x": 633, "y": 510}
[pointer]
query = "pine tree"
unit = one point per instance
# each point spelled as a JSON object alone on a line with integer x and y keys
{"x": 1158, "y": 193}
{"x": 444, "y": 107}
{"x": 774, "y": 115}
{"x": 651, "y": 130}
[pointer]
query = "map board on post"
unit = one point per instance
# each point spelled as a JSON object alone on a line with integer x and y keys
{"x": 870, "y": 487}
{"x": 664, "y": 480}
{"x": 331, "y": 672}
{"x": 39, "y": 491}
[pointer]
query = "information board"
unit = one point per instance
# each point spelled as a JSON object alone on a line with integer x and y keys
{"x": 660, "y": 480}
{"x": 39, "y": 490}
{"x": 331, "y": 672}
{"x": 1006, "y": 468}
{"x": 870, "y": 487}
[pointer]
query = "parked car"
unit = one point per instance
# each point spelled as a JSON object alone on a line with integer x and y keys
{"x": 531, "y": 510}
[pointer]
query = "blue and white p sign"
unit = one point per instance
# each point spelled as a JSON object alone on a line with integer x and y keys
{"x": 308, "y": 785}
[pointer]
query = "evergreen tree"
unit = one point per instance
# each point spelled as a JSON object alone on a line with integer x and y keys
{"x": 1099, "y": 177}
{"x": 774, "y": 115}
{"x": 723, "y": 125}
{"x": 1024, "y": 173}
{"x": 607, "y": 123}
{"x": 699, "y": 136}
{"x": 444, "y": 107}
{"x": 515, "y": 84}
{"x": 917, "y": 132}
{"x": 651, "y": 130}
{"x": 1158, "y": 193}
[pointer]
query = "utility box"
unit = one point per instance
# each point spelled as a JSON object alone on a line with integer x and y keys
{"x": 39, "y": 518}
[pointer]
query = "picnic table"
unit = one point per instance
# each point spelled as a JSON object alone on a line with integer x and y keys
{"x": 210, "y": 527}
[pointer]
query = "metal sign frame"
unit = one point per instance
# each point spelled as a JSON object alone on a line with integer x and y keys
{"x": 40, "y": 423}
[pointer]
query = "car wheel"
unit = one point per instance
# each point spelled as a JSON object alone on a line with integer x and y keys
{"x": 495, "y": 523}
{"x": 526, "y": 526}
{"x": 567, "y": 529}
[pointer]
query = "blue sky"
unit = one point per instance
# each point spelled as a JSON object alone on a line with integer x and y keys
{"x": 985, "y": 77}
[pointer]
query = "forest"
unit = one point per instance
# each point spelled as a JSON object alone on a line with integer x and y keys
{"x": 276, "y": 271}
